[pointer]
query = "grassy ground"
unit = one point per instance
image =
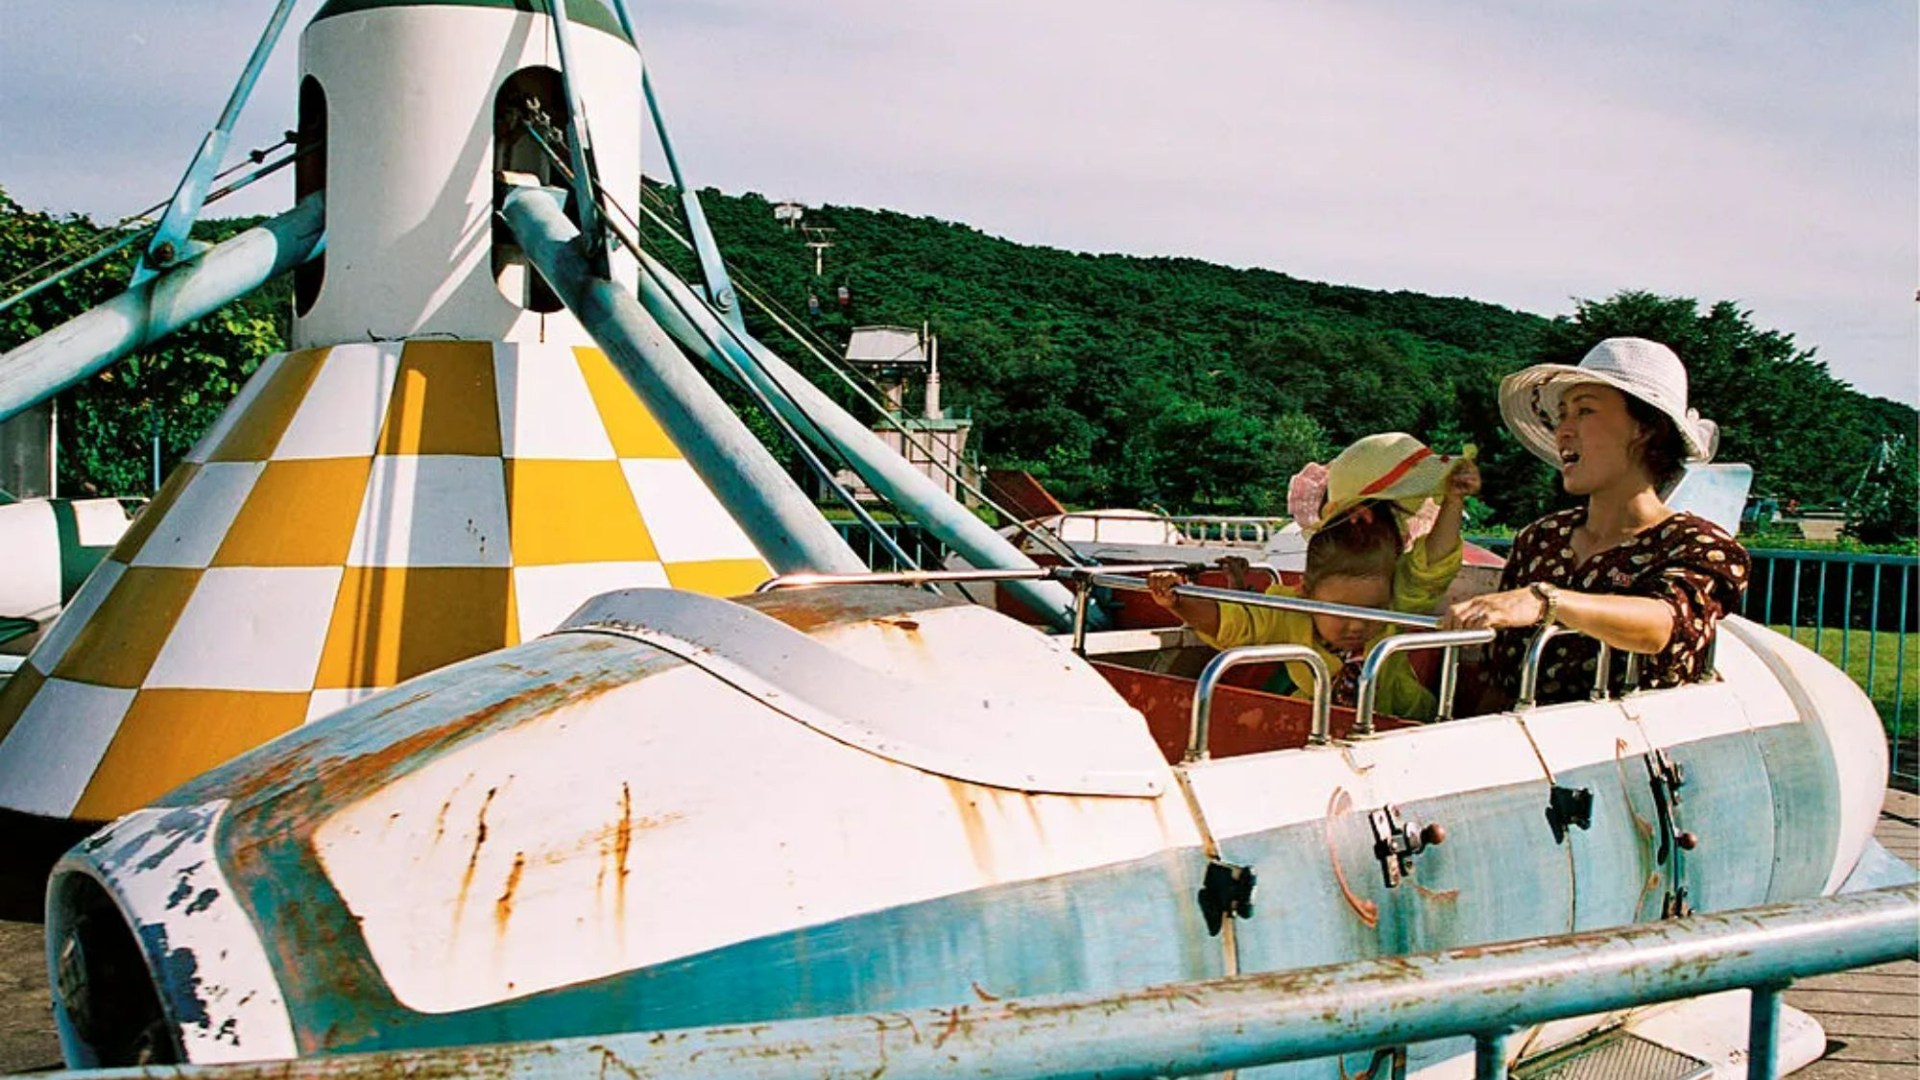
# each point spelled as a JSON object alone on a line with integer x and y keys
{"x": 1899, "y": 700}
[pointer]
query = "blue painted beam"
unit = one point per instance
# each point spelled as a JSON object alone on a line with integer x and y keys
{"x": 1211, "y": 1025}
{"x": 169, "y": 243}
{"x": 775, "y": 513}
{"x": 692, "y": 323}
{"x": 70, "y": 352}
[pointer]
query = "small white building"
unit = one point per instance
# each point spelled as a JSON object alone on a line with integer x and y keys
{"x": 932, "y": 438}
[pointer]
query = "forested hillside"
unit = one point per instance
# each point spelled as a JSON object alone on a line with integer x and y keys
{"x": 1128, "y": 381}
{"x": 1117, "y": 380}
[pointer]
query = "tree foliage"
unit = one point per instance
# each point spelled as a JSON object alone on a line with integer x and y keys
{"x": 175, "y": 389}
{"x": 1130, "y": 381}
{"x": 1117, "y": 380}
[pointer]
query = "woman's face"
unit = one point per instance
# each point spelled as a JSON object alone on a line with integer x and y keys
{"x": 1597, "y": 440}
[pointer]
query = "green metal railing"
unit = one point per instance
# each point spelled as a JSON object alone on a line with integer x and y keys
{"x": 1858, "y": 611}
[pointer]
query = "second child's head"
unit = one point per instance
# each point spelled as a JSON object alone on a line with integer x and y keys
{"x": 1351, "y": 562}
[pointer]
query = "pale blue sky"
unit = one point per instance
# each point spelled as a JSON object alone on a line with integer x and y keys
{"x": 1515, "y": 152}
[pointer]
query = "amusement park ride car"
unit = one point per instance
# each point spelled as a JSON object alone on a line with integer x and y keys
{"x": 411, "y": 713}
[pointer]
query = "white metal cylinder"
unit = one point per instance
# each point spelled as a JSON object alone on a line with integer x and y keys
{"x": 410, "y": 91}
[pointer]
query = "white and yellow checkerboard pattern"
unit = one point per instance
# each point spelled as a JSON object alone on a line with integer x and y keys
{"x": 359, "y": 515}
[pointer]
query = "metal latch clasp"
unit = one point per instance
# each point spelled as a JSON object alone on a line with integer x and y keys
{"x": 1666, "y": 777}
{"x": 1226, "y": 892}
{"x": 1567, "y": 808}
{"x": 1397, "y": 840}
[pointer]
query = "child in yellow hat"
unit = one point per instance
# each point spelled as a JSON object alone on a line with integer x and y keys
{"x": 1358, "y": 512}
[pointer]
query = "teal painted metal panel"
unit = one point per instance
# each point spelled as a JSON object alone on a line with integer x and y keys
{"x": 1499, "y": 875}
{"x": 1728, "y": 804}
{"x": 1806, "y": 807}
{"x": 1616, "y": 879}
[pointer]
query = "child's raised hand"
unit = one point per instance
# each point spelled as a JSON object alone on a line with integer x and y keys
{"x": 1462, "y": 480}
{"x": 1160, "y": 586}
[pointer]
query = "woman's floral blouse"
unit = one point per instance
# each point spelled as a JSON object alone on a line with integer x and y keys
{"x": 1686, "y": 561}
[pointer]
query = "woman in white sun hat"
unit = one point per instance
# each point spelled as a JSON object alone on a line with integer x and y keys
{"x": 1624, "y": 568}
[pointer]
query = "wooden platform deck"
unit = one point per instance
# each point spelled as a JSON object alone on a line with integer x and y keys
{"x": 1872, "y": 1016}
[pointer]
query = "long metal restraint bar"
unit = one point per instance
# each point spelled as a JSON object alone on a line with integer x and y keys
{"x": 1484, "y": 992}
{"x": 1127, "y": 578}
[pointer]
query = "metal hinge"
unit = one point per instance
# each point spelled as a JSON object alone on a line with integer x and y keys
{"x": 1396, "y": 840}
{"x": 1568, "y": 807}
{"x": 1226, "y": 892}
{"x": 1666, "y": 777}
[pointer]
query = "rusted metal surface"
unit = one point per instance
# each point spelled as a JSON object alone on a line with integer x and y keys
{"x": 1215, "y": 1024}
{"x": 986, "y": 733}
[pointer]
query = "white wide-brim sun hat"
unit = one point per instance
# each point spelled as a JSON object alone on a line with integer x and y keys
{"x": 1648, "y": 370}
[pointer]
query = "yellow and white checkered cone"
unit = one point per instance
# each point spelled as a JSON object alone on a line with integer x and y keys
{"x": 359, "y": 515}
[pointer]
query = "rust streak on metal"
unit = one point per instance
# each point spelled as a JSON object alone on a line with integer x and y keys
{"x": 503, "y": 907}
{"x": 1439, "y": 896}
{"x": 979, "y": 844}
{"x": 1368, "y": 911}
{"x": 473, "y": 859}
{"x": 609, "y": 1059}
{"x": 808, "y": 610}
{"x": 1640, "y": 825}
{"x": 981, "y": 992}
{"x": 622, "y": 844}
{"x": 949, "y": 1029}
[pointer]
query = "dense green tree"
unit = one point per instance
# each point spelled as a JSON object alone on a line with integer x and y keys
{"x": 1116, "y": 380}
{"x": 174, "y": 390}
{"x": 1808, "y": 435}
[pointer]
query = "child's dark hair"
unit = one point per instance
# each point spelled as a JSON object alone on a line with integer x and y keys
{"x": 1663, "y": 452}
{"x": 1364, "y": 543}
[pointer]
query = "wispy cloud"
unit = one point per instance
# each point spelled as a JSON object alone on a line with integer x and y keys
{"x": 1516, "y": 152}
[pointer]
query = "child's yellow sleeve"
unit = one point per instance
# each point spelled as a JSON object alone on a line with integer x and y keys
{"x": 1420, "y": 582}
{"x": 1403, "y": 695}
{"x": 1244, "y": 625}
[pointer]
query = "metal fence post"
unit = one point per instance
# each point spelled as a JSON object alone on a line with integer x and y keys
{"x": 1766, "y": 609}
{"x": 1763, "y": 1032}
{"x": 1846, "y": 621}
{"x": 1900, "y": 669}
{"x": 1793, "y": 609}
{"x": 1873, "y": 630}
{"x": 1820, "y": 609}
{"x": 1490, "y": 1056}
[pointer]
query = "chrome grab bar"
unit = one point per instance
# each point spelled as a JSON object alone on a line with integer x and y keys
{"x": 1602, "y": 670}
{"x": 1217, "y": 668}
{"x": 809, "y": 580}
{"x": 902, "y": 577}
{"x": 1368, "y": 688}
{"x": 1530, "y": 671}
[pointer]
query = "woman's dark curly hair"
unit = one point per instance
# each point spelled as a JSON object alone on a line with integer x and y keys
{"x": 1662, "y": 450}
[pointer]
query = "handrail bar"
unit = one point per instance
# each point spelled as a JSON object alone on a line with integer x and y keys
{"x": 901, "y": 577}
{"x": 1282, "y": 603}
{"x": 1530, "y": 671}
{"x": 1214, "y": 1025}
{"x": 1367, "y": 688}
{"x": 809, "y": 580}
{"x": 1217, "y": 668}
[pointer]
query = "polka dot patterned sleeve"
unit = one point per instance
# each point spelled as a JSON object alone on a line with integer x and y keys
{"x": 1686, "y": 561}
{"x": 1700, "y": 573}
